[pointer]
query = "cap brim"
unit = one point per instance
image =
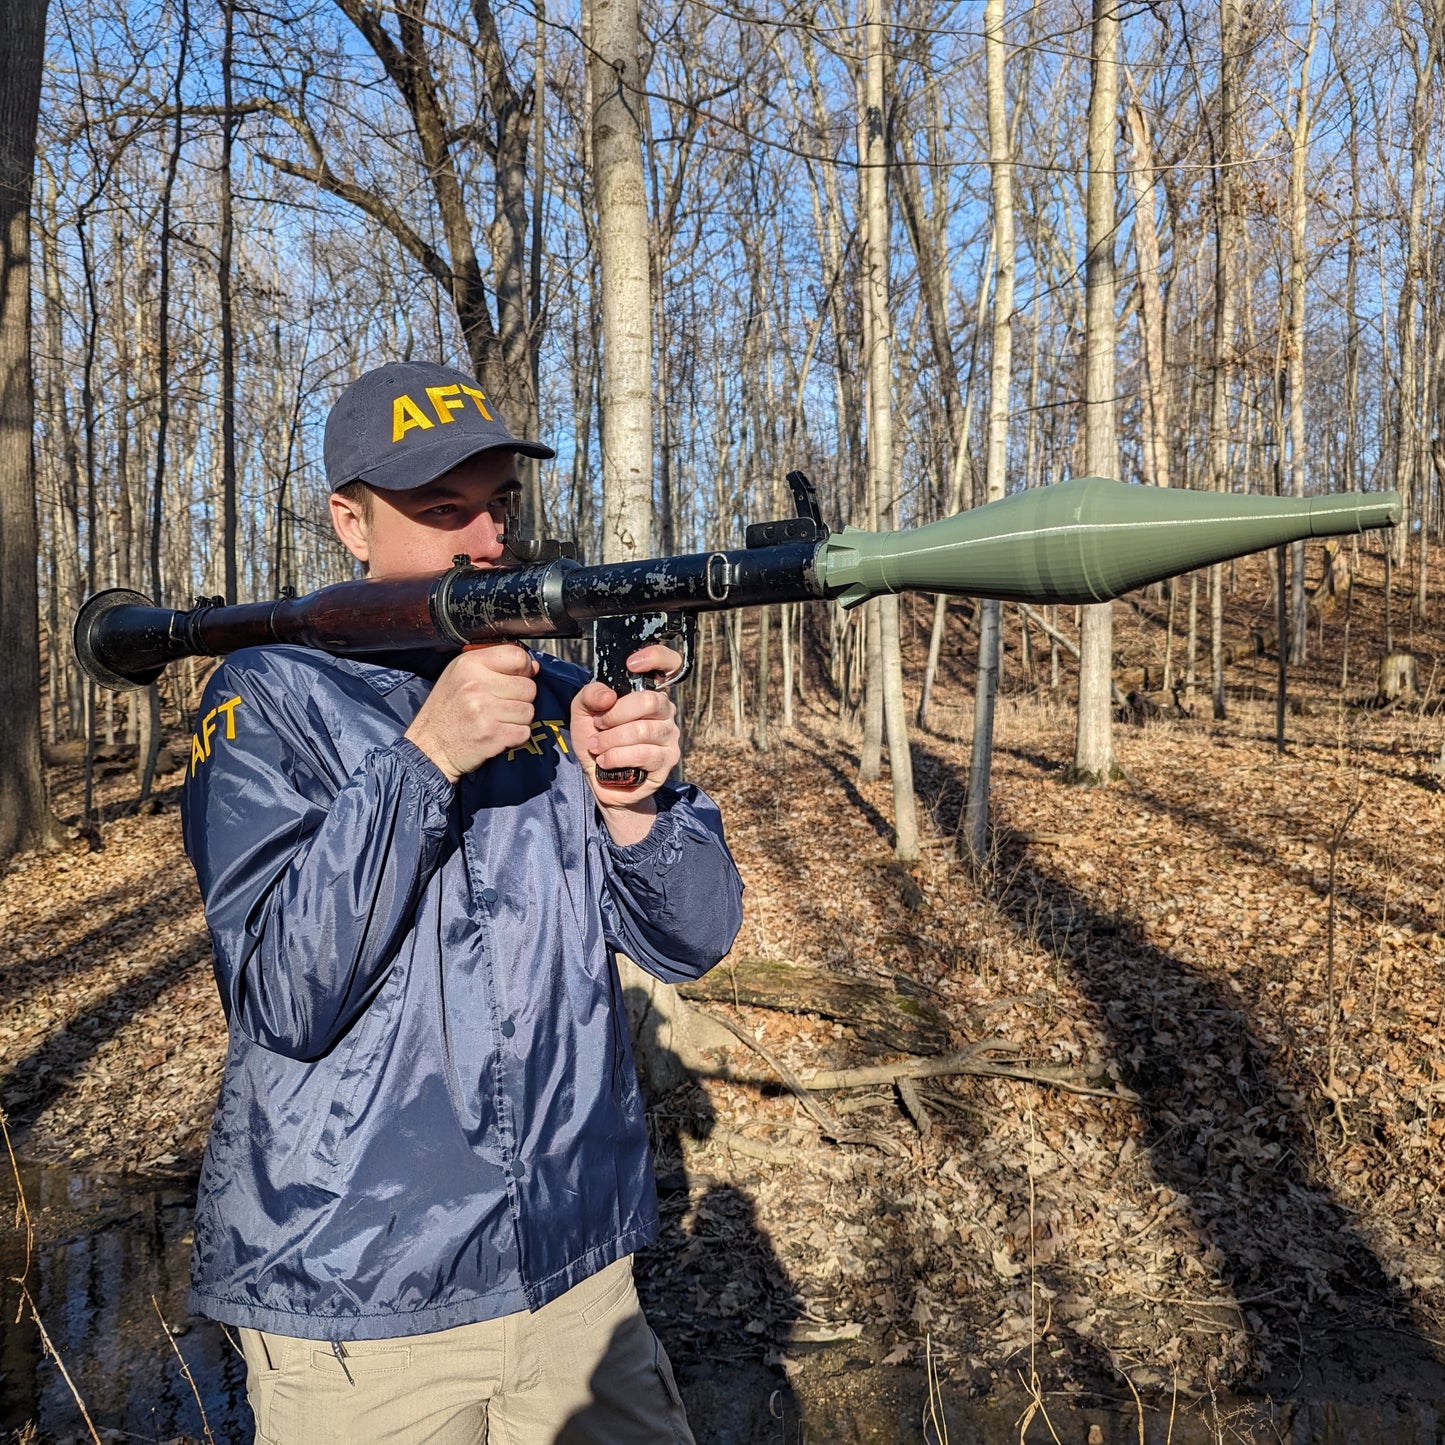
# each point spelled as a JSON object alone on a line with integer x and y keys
{"x": 426, "y": 463}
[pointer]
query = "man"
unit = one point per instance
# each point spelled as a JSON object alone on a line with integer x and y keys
{"x": 429, "y": 1167}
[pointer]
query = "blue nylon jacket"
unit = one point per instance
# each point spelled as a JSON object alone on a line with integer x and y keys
{"x": 429, "y": 1114}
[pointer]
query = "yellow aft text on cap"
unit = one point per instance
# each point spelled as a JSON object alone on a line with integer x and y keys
{"x": 406, "y": 414}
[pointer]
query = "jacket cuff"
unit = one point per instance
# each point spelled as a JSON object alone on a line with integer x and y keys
{"x": 661, "y": 837}
{"x": 432, "y": 781}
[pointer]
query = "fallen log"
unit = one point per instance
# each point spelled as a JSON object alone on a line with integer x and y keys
{"x": 990, "y": 1059}
{"x": 886, "y": 1020}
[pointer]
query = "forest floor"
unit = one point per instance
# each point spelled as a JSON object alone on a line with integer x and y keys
{"x": 1232, "y": 956}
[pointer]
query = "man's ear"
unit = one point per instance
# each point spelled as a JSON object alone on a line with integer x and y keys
{"x": 350, "y": 524}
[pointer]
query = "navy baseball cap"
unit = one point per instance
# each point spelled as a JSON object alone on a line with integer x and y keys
{"x": 406, "y": 423}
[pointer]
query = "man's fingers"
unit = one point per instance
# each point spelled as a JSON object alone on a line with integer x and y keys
{"x": 507, "y": 658}
{"x": 608, "y": 710}
{"x": 596, "y": 698}
{"x": 485, "y": 682}
{"x": 514, "y": 711}
{"x": 513, "y": 689}
{"x": 646, "y": 731}
{"x": 656, "y": 658}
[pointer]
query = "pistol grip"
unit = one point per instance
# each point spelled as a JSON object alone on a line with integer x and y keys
{"x": 614, "y": 640}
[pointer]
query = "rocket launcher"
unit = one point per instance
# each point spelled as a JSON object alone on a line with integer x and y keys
{"x": 1081, "y": 541}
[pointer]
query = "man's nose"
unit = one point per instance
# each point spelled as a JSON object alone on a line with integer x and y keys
{"x": 484, "y": 538}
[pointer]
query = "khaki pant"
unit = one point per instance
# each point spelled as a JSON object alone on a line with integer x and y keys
{"x": 583, "y": 1370}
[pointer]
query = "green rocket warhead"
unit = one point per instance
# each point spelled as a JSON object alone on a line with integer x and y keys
{"x": 1087, "y": 540}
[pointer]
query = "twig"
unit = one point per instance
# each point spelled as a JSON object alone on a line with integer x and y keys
{"x": 972, "y": 1058}
{"x": 1331, "y": 1087}
{"x": 933, "y": 1414}
{"x": 814, "y": 1111}
{"x": 820, "y": 1116}
{"x": 22, "y": 1220}
{"x": 1033, "y": 1264}
{"x": 1379, "y": 950}
{"x": 22, "y": 1214}
{"x": 914, "y": 1106}
{"x": 54, "y": 1354}
{"x": 1138, "y": 1403}
{"x": 185, "y": 1370}
{"x": 736, "y": 1143}
{"x": 1034, "y": 1386}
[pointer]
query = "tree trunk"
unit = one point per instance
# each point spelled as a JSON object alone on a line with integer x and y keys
{"x": 1295, "y": 358}
{"x": 1224, "y": 312}
{"x": 151, "y": 731}
{"x": 622, "y": 229}
{"x": 1094, "y": 737}
{"x": 1352, "y": 254}
{"x": 880, "y": 434}
{"x": 960, "y": 475}
{"x": 659, "y": 1019}
{"x": 1001, "y": 179}
{"x": 533, "y": 476}
{"x": 1409, "y": 440}
{"x": 229, "y": 515}
{"x": 65, "y": 514}
{"x": 1156, "y": 418}
{"x": 25, "y": 819}
{"x": 761, "y": 740}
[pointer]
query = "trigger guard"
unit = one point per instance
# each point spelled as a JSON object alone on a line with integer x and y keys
{"x": 636, "y": 630}
{"x": 661, "y": 681}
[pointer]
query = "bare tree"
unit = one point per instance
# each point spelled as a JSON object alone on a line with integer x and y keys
{"x": 1225, "y": 248}
{"x": 1409, "y": 431}
{"x": 225, "y": 280}
{"x": 619, "y": 183}
{"x": 1295, "y": 352}
{"x": 25, "y": 820}
{"x": 880, "y": 432}
{"x": 1153, "y": 331}
{"x": 1094, "y": 736}
{"x": 976, "y": 809}
{"x": 622, "y": 238}
{"x": 501, "y": 345}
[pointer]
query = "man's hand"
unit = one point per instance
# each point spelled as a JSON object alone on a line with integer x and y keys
{"x": 480, "y": 706}
{"x": 636, "y": 730}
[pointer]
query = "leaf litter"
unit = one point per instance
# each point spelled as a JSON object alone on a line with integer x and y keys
{"x": 1262, "y": 1182}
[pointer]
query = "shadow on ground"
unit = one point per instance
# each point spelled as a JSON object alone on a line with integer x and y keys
{"x": 1320, "y": 1312}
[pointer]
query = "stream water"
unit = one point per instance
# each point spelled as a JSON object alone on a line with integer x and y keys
{"x": 111, "y": 1261}
{"x": 106, "y": 1247}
